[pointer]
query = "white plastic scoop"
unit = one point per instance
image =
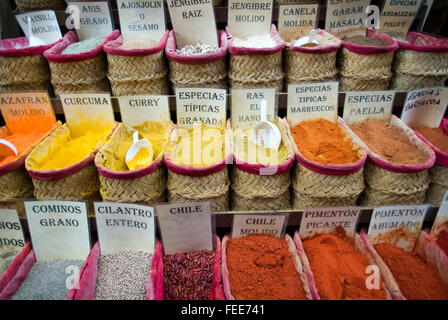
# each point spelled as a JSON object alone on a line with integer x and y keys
{"x": 7, "y": 149}
{"x": 139, "y": 146}
{"x": 265, "y": 133}
{"x": 307, "y": 39}
{"x": 34, "y": 41}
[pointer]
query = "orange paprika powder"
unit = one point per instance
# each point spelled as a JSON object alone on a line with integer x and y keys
{"x": 442, "y": 241}
{"x": 323, "y": 141}
{"x": 339, "y": 268}
{"x": 261, "y": 268}
{"x": 434, "y": 135}
{"x": 417, "y": 280}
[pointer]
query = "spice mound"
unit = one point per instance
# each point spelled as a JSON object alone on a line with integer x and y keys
{"x": 22, "y": 141}
{"x": 123, "y": 276}
{"x": 442, "y": 241}
{"x": 365, "y": 41}
{"x": 417, "y": 280}
{"x": 83, "y": 46}
{"x": 155, "y": 132}
{"x": 200, "y": 146}
{"x": 323, "y": 141}
{"x": 7, "y": 255}
{"x": 339, "y": 269}
{"x": 67, "y": 153}
{"x": 258, "y": 41}
{"x": 138, "y": 43}
{"x": 388, "y": 142}
{"x": 261, "y": 268}
{"x": 188, "y": 276}
{"x": 47, "y": 281}
{"x": 197, "y": 49}
{"x": 435, "y": 135}
{"x": 255, "y": 154}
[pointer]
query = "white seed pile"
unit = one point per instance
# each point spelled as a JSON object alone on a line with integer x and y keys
{"x": 197, "y": 49}
{"x": 139, "y": 43}
{"x": 256, "y": 42}
{"x": 48, "y": 281}
{"x": 83, "y": 46}
{"x": 7, "y": 254}
{"x": 123, "y": 276}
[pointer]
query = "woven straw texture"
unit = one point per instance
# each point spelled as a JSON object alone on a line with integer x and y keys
{"x": 80, "y": 76}
{"x": 137, "y": 75}
{"x": 309, "y": 67}
{"x": 363, "y": 72}
{"x": 17, "y": 205}
{"x": 414, "y": 69}
{"x": 212, "y": 75}
{"x": 385, "y": 187}
{"x": 438, "y": 175}
{"x": 40, "y": 4}
{"x": 253, "y": 71}
{"x": 148, "y": 190}
{"x": 312, "y": 189}
{"x": 15, "y": 185}
{"x": 24, "y": 73}
{"x": 185, "y": 188}
{"x": 256, "y": 192}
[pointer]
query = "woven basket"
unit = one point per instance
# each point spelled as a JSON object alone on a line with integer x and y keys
{"x": 24, "y": 5}
{"x": 420, "y": 62}
{"x": 146, "y": 186}
{"x": 15, "y": 183}
{"x": 137, "y": 71}
{"x": 77, "y": 182}
{"x": 253, "y": 191}
{"x": 196, "y": 183}
{"x": 83, "y": 72}
{"x": 312, "y": 64}
{"x": 23, "y": 69}
{"x": 252, "y": 68}
{"x": 319, "y": 185}
{"x": 365, "y": 68}
{"x": 391, "y": 184}
{"x": 208, "y": 70}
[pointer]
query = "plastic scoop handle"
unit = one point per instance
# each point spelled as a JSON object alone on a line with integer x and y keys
{"x": 9, "y": 150}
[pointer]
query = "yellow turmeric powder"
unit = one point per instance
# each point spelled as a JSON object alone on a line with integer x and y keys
{"x": 200, "y": 146}
{"x": 255, "y": 154}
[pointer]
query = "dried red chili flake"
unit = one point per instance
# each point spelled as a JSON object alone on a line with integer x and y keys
{"x": 188, "y": 276}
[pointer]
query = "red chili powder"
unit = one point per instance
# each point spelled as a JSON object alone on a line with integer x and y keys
{"x": 442, "y": 241}
{"x": 339, "y": 269}
{"x": 388, "y": 142}
{"x": 417, "y": 280}
{"x": 323, "y": 141}
{"x": 435, "y": 135}
{"x": 261, "y": 268}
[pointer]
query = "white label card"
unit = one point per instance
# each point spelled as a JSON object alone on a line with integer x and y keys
{"x": 124, "y": 227}
{"x": 441, "y": 222}
{"x": 296, "y": 20}
{"x": 343, "y": 15}
{"x": 44, "y": 25}
{"x": 87, "y": 110}
{"x": 185, "y": 227}
{"x": 361, "y": 105}
{"x": 201, "y": 105}
{"x": 270, "y": 224}
{"x": 142, "y": 19}
{"x": 135, "y": 110}
{"x": 397, "y": 225}
{"x": 246, "y": 106}
{"x": 248, "y": 18}
{"x": 397, "y": 17}
{"x": 193, "y": 22}
{"x": 312, "y": 101}
{"x": 59, "y": 229}
{"x": 325, "y": 220}
{"x": 425, "y": 107}
{"x": 95, "y": 19}
{"x": 11, "y": 232}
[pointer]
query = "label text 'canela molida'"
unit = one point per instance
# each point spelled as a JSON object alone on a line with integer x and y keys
{"x": 124, "y": 212}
